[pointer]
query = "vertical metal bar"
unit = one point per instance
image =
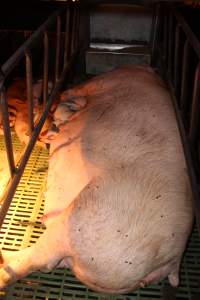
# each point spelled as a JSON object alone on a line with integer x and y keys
{"x": 176, "y": 57}
{"x": 195, "y": 109}
{"x": 155, "y": 33}
{"x": 66, "y": 53}
{"x": 46, "y": 69}
{"x": 185, "y": 74}
{"x": 170, "y": 35}
{"x": 58, "y": 32}
{"x": 73, "y": 31}
{"x": 7, "y": 133}
{"x": 165, "y": 39}
{"x": 29, "y": 83}
{"x": 77, "y": 28}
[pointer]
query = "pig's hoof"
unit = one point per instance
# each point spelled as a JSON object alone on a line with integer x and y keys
{"x": 6, "y": 273}
{"x": 173, "y": 279}
{"x": 142, "y": 284}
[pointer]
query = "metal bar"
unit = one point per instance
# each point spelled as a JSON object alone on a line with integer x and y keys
{"x": 58, "y": 31}
{"x": 188, "y": 157}
{"x": 73, "y": 30}
{"x": 184, "y": 81}
{"x": 29, "y": 84}
{"x": 195, "y": 109}
{"x": 7, "y": 133}
{"x": 66, "y": 53}
{"x": 77, "y": 28}
{"x": 170, "y": 26}
{"x": 154, "y": 33}
{"x": 165, "y": 39}
{"x": 9, "y": 65}
{"x": 46, "y": 69}
{"x": 194, "y": 42}
{"x": 17, "y": 176}
{"x": 176, "y": 57}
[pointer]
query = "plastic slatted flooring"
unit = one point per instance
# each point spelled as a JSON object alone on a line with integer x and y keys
{"x": 22, "y": 228}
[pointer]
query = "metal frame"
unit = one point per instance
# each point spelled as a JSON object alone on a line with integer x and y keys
{"x": 175, "y": 42}
{"x": 70, "y": 11}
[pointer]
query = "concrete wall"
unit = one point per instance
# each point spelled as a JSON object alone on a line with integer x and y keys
{"x": 117, "y": 23}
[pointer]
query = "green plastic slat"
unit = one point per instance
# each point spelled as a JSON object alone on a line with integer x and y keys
{"x": 22, "y": 228}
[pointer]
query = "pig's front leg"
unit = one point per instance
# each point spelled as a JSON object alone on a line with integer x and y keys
{"x": 46, "y": 254}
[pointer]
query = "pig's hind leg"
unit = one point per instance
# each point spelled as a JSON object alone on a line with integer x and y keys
{"x": 47, "y": 253}
{"x": 170, "y": 270}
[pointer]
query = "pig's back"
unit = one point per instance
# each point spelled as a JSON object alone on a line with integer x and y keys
{"x": 128, "y": 119}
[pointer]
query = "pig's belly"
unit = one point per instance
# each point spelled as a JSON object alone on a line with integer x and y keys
{"x": 129, "y": 229}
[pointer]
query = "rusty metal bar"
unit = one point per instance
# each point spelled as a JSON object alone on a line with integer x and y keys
{"x": 66, "y": 53}
{"x": 170, "y": 28}
{"x": 9, "y": 65}
{"x": 7, "y": 198}
{"x": 7, "y": 133}
{"x": 58, "y": 33}
{"x": 195, "y": 109}
{"x": 185, "y": 74}
{"x": 29, "y": 85}
{"x": 46, "y": 69}
{"x": 176, "y": 57}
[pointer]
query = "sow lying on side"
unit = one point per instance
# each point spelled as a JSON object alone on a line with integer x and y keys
{"x": 118, "y": 202}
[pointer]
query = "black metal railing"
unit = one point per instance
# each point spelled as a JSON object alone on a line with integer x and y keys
{"x": 179, "y": 50}
{"x": 70, "y": 16}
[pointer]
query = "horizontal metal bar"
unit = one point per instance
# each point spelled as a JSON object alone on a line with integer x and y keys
{"x": 17, "y": 176}
{"x": 190, "y": 35}
{"x": 7, "y": 133}
{"x": 188, "y": 157}
{"x": 9, "y": 65}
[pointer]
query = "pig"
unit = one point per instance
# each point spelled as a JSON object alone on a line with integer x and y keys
{"x": 118, "y": 207}
{"x": 18, "y": 109}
